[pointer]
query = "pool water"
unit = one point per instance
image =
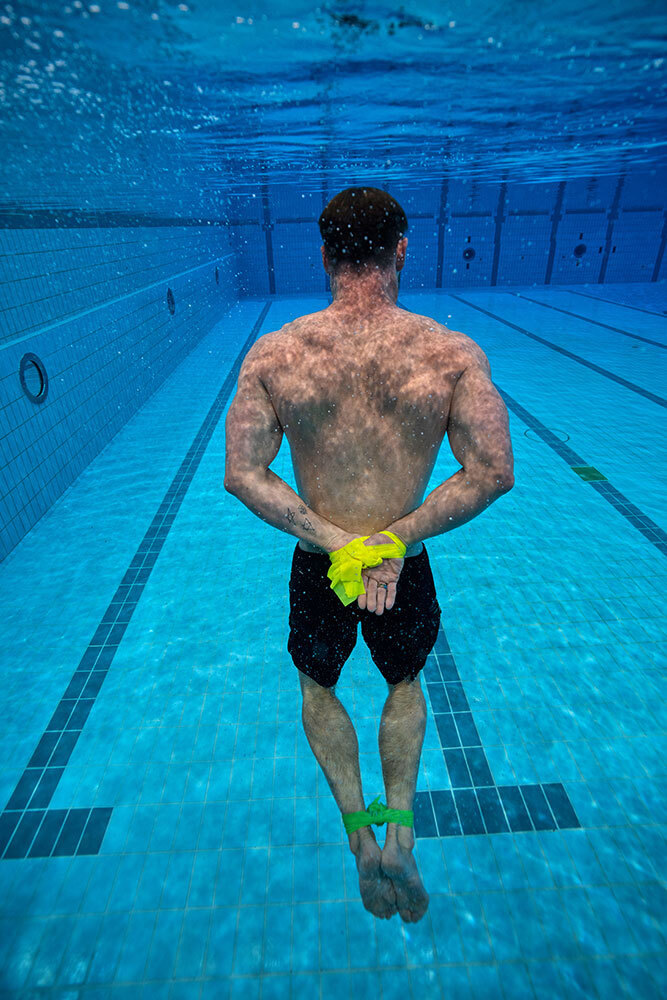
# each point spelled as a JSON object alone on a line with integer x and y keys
{"x": 168, "y": 832}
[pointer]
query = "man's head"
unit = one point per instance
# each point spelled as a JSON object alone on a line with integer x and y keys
{"x": 363, "y": 228}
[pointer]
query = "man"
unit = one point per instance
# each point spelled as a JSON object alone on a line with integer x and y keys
{"x": 365, "y": 393}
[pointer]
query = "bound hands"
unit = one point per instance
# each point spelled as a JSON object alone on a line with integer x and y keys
{"x": 377, "y": 598}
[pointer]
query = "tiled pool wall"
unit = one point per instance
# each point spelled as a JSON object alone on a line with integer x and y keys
{"x": 109, "y": 311}
{"x": 110, "y": 304}
{"x": 466, "y": 233}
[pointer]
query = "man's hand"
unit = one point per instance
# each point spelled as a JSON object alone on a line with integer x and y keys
{"x": 378, "y": 598}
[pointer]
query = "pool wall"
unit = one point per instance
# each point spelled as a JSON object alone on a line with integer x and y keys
{"x": 91, "y": 304}
{"x": 510, "y": 233}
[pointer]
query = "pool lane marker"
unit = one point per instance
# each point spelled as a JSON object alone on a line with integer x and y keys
{"x": 28, "y": 828}
{"x": 599, "y": 298}
{"x": 587, "y": 473}
{"x": 587, "y": 319}
{"x": 475, "y": 804}
{"x": 652, "y": 396}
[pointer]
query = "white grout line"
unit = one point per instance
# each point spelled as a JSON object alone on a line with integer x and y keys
{"x": 109, "y": 302}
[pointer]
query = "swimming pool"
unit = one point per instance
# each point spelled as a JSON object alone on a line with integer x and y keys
{"x": 166, "y": 830}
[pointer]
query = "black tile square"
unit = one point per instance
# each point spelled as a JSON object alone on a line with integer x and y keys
{"x": 469, "y": 814}
{"x": 48, "y": 832}
{"x": 479, "y": 767}
{"x": 63, "y": 751}
{"x": 561, "y": 806}
{"x": 515, "y": 809}
{"x": 458, "y": 769}
{"x": 445, "y": 814}
{"x": 43, "y": 750}
{"x": 438, "y": 696}
{"x": 71, "y": 832}
{"x": 77, "y": 720}
{"x": 94, "y": 683}
{"x": 457, "y": 698}
{"x": 492, "y": 810}
{"x": 449, "y": 737}
{"x": 76, "y": 685}
{"x": 20, "y": 843}
{"x": 62, "y": 713}
{"x": 25, "y": 788}
{"x": 8, "y": 823}
{"x": 538, "y": 807}
{"x": 467, "y": 729}
{"x": 94, "y": 832}
{"x": 47, "y": 786}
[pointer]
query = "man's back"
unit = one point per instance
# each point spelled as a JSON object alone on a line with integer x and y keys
{"x": 364, "y": 405}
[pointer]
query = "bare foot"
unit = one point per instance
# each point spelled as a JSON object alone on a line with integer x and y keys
{"x": 411, "y": 896}
{"x": 377, "y": 891}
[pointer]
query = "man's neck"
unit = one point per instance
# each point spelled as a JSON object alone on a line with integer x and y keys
{"x": 364, "y": 291}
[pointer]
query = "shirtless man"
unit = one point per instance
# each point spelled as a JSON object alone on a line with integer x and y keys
{"x": 365, "y": 393}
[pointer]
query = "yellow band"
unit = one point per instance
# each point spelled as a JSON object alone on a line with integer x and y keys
{"x": 348, "y": 562}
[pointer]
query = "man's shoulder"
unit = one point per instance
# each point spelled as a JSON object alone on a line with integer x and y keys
{"x": 450, "y": 339}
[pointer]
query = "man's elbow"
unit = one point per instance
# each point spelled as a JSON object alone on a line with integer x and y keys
{"x": 241, "y": 483}
{"x": 231, "y": 484}
{"x": 503, "y": 480}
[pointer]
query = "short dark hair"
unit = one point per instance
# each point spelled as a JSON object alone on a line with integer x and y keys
{"x": 362, "y": 225}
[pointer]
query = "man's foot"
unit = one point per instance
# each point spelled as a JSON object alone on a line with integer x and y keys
{"x": 411, "y": 896}
{"x": 377, "y": 891}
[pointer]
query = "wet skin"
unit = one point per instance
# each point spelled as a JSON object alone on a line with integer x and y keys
{"x": 363, "y": 401}
{"x": 364, "y": 405}
{"x": 362, "y": 390}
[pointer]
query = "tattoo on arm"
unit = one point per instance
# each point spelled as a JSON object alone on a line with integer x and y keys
{"x": 306, "y": 524}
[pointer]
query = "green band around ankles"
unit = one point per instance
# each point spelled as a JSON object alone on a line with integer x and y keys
{"x": 377, "y": 813}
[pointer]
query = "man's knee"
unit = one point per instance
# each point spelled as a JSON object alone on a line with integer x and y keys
{"x": 312, "y": 691}
{"x": 411, "y": 684}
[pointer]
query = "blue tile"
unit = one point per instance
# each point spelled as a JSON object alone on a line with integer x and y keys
{"x": 220, "y": 953}
{"x": 446, "y": 814}
{"x": 249, "y": 941}
{"x": 164, "y": 944}
{"x": 107, "y": 948}
{"x": 305, "y": 956}
{"x": 278, "y": 947}
{"x": 193, "y": 944}
{"x": 333, "y": 943}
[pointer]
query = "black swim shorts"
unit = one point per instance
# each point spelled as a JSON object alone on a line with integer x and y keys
{"x": 323, "y": 631}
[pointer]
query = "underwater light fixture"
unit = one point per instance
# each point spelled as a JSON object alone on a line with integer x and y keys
{"x": 34, "y": 380}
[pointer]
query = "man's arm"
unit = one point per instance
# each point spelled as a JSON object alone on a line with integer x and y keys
{"x": 253, "y": 436}
{"x": 479, "y": 436}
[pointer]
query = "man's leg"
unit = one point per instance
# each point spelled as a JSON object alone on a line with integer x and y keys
{"x": 401, "y": 738}
{"x": 333, "y": 740}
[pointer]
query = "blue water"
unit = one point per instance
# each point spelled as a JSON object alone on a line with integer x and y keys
{"x": 224, "y": 869}
{"x": 166, "y": 831}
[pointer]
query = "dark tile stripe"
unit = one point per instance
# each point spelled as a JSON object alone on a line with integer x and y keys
{"x": 555, "y": 220}
{"x": 637, "y": 518}
{"x": 613, "y": 302}
{"x": 633, "y": 514}
{"x": 587, "y": 319}
{"x": 36, "y": 786}
{"x": 568, "y": 354}
{"x": 267, "y": 226}
{"x": 441, "y": 232}
{"x": 475, "y": 804}
{"x": 500, "y": 218}
{"x": 611, "y": 219}
{"x": 661, "y": 250}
